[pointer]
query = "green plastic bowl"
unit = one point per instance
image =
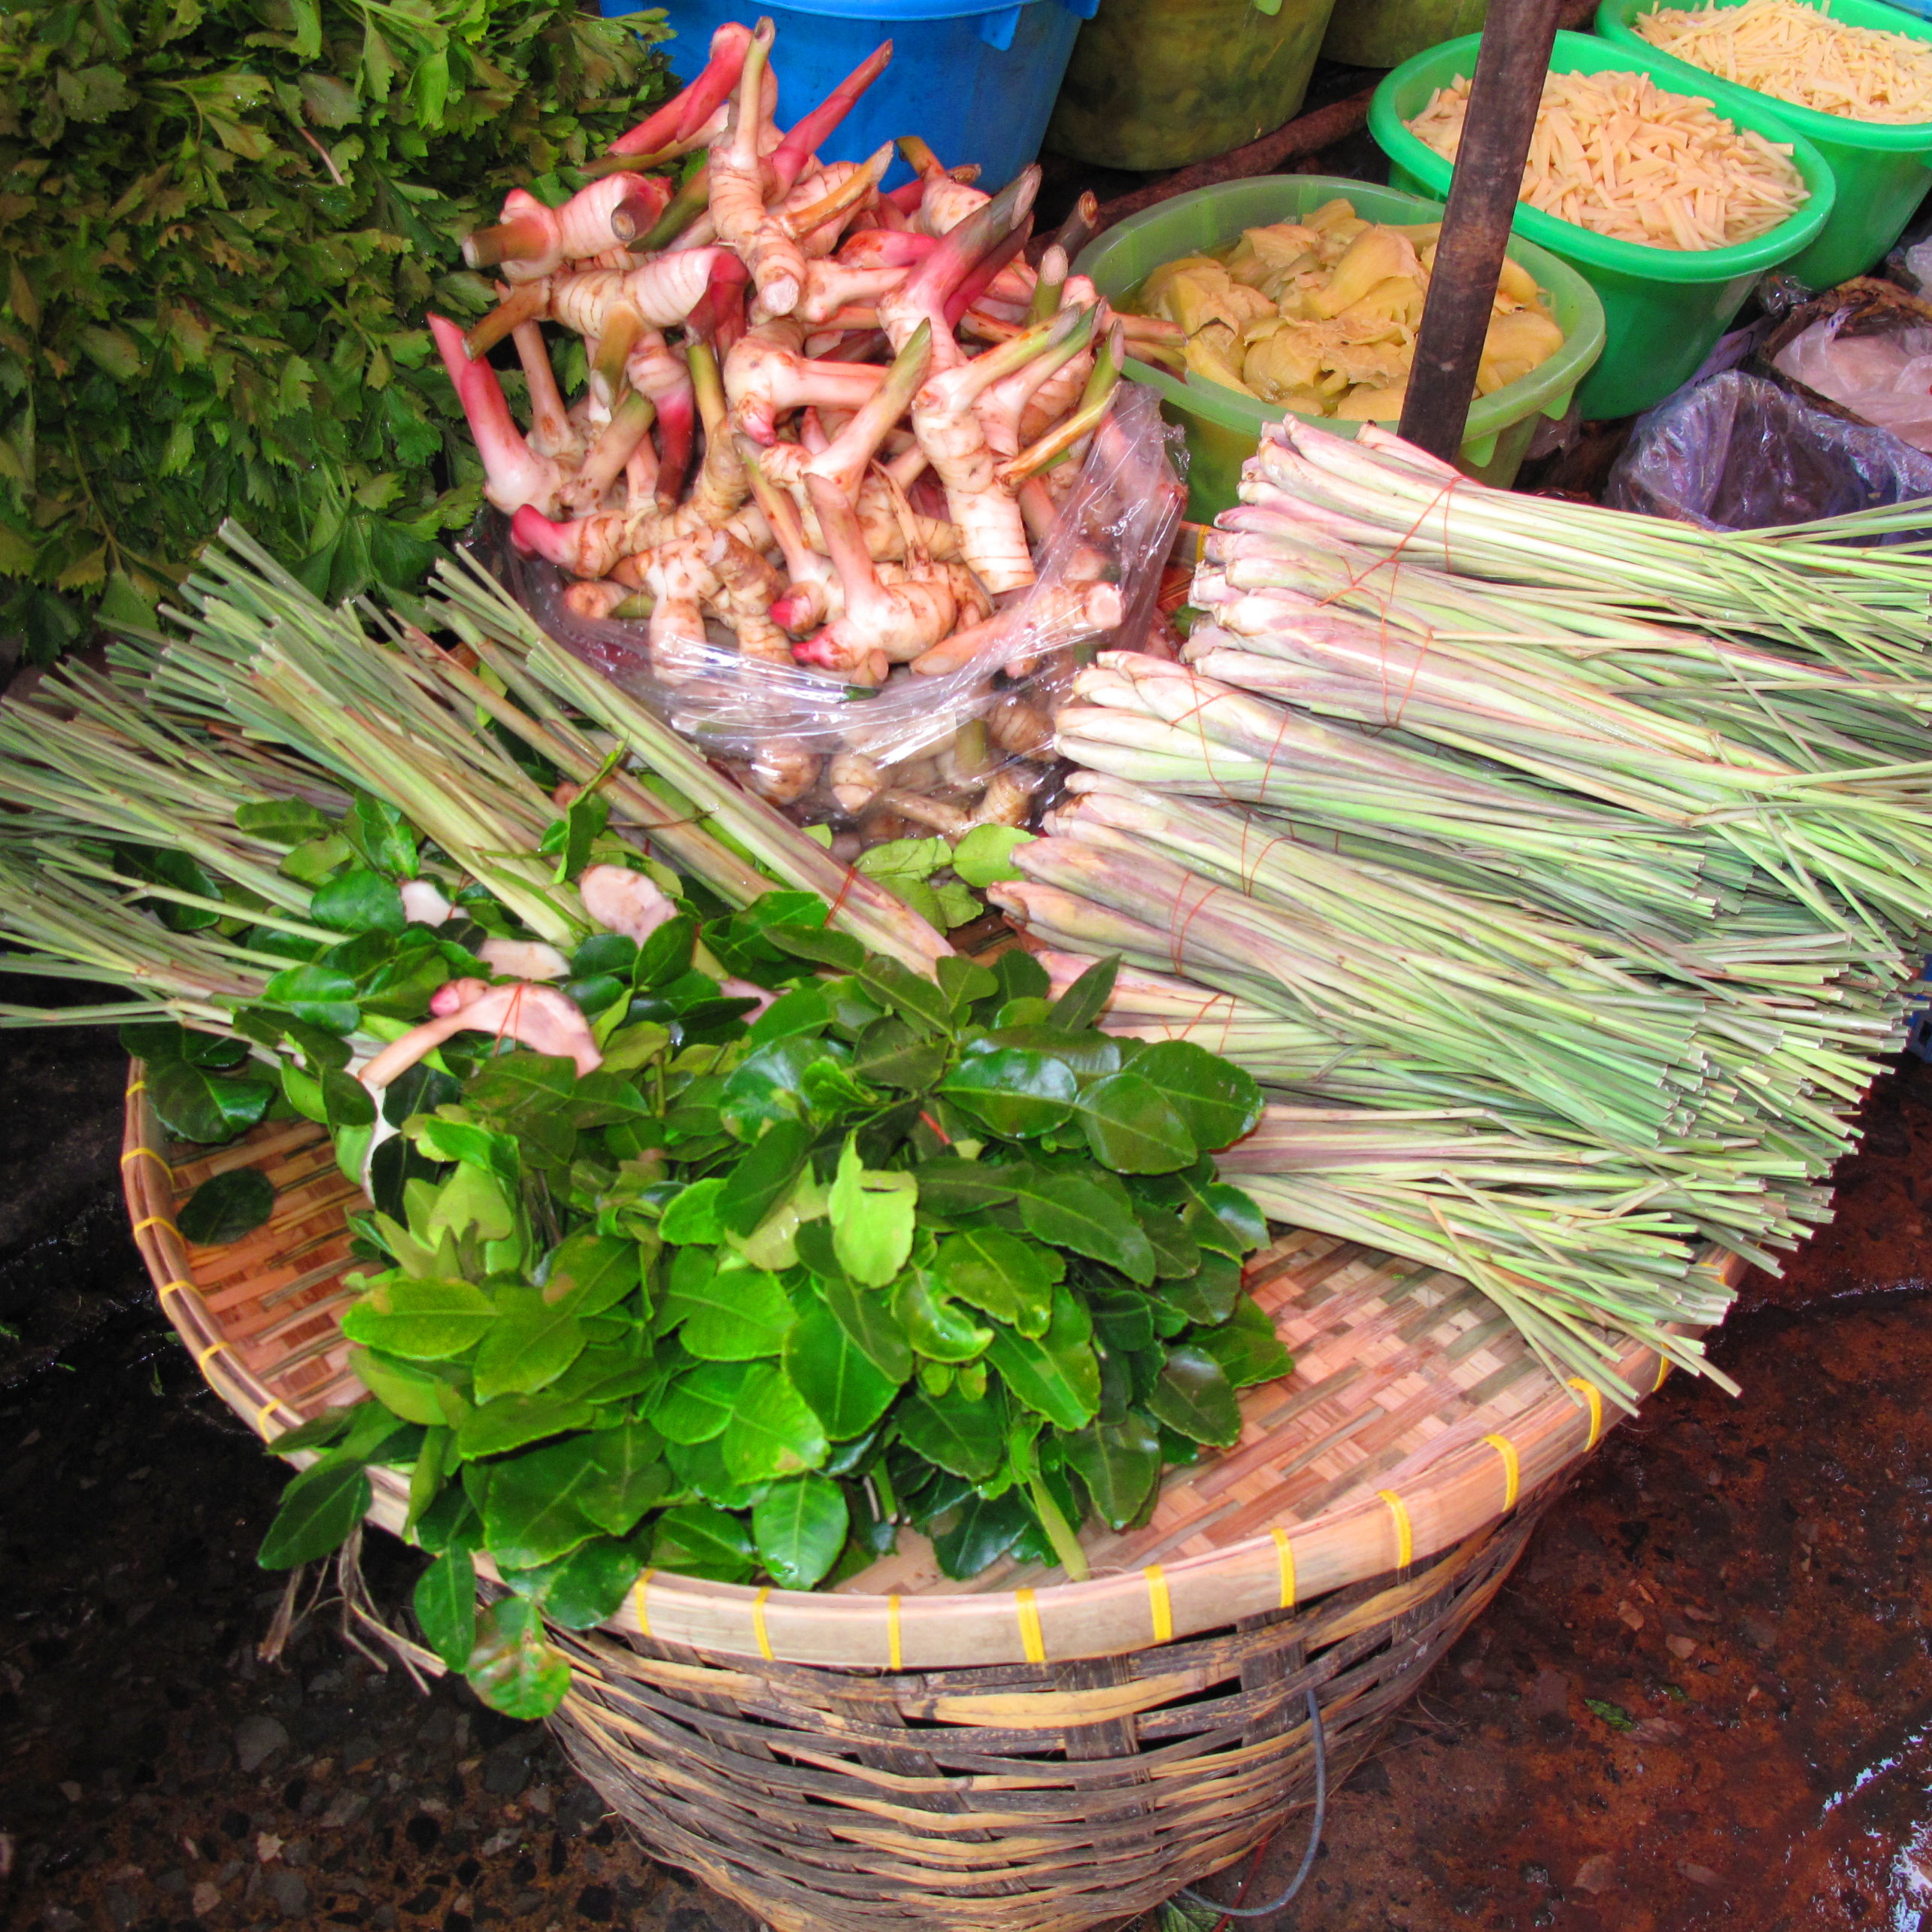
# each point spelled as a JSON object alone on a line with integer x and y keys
{"x": 1664, "y": 308}
{"x": 1223, "y": 426}
{"x": 1882, "y": 168}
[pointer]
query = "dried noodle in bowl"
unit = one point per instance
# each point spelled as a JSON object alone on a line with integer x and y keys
{"x": 1616, "y": 154}
{"x": 1798, "y": 53}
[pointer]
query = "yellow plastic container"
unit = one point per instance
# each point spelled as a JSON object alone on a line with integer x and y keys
{"x": 1158, "y": 83}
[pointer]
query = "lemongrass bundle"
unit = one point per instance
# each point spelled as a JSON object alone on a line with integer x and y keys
{"x": 1170, "y": 729}
{"x": 260, "y": 694}
{"x": 1599, "y": 888}
{"x": 374, "y": 700}
{"x": 68, "y": 925}
{"x": 556, "y": 688}
{"x": 1832, "y": 591}
{"x": 1389, "y": 1003}
{"x": 353, "y": 692}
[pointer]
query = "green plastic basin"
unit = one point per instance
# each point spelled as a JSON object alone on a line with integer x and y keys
{"x": 1223, "y": 426}
{"x": 1663, "y": 308}
{"x": 1882, "y": 169}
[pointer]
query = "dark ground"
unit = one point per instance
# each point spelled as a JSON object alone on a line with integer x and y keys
{"x": 1705, "y": 1698}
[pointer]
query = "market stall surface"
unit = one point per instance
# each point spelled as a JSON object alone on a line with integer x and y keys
{"x": 1704, "y": 1699}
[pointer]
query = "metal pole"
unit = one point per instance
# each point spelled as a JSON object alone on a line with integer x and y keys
{"x": 1504, "y": 97}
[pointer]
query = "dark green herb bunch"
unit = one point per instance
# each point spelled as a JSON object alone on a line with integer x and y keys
{"x": 222, "y": 222}
{"x": 766, "y": 1284}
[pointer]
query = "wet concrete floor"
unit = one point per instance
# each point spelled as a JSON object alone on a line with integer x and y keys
{"x": 1704, "y": 1699}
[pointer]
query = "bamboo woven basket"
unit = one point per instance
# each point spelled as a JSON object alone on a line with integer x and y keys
{"x": 1013, "y": 1755}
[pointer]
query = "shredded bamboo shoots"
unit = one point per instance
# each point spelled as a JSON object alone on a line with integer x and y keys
{"x": 1796, "y": 53}
{"x": 1614, "y": 153}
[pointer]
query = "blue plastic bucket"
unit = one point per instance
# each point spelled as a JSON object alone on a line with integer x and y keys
{"x": 976, "y": 83}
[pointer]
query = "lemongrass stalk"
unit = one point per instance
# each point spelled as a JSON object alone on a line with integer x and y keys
{"x": 1815, "y": 594}
{"x": 877, "y": 917}
{"x": 125, "y": 1013}
{"x": 183, "y": 1011}
{"x": 77, "y": 862}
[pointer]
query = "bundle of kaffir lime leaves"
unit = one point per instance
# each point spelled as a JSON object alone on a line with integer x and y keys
{"x": 758, "y": 1289}
{"x": 789, "y": 1244}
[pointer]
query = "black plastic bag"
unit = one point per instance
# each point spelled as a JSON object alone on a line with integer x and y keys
{"x": 1739, "y": 453}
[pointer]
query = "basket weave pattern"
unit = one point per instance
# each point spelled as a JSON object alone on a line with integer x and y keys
{"x": 1011, "y": 1754}
{"x": 1020, "y": 1798}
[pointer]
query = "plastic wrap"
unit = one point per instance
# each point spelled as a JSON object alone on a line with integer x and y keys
{"x": 1739, "y": 453}
{"x": 937, "y": 751}
{"x": 1885, "y": 376}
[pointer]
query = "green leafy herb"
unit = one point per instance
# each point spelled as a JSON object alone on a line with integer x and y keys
{"x": 514, "y": 1668}
{"x": 227, "y": 1206}
{"x": 223, "y": 224}
{"x": 191, "y": 1086}
{"x": 445, "y": 1604}
{"x": 925, "y": 873}
{"x": 901, "y": 1251}
{"x": 985, "y": 855}
{"x": 318, "y": 1511}
{"x": 800, "y": 1528}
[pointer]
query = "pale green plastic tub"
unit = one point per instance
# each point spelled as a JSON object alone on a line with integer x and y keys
{"x": 1882, "y": 168}
{"x": 1223, "y": 427}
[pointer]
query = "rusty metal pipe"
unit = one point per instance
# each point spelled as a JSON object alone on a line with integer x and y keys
{"x": 1504, "y": 96}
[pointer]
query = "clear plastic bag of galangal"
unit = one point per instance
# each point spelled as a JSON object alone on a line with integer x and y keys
{"x": 963, "y": 737}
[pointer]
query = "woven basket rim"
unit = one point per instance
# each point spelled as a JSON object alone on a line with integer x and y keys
{"x": 1469, "y": 1487}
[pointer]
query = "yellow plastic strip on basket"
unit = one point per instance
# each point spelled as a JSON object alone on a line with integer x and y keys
{"x": 895, "y": 1656}
{"x": 1285, "y": 1558}
{"x": 175, "y": 1287}
{"x": 262, "y": 1415}
{"x": 156, "y": 1220}
{"x": 208, "y": 1354}
{"x": 758, "y": 1624}
{"x": 1160, "y": 1606}
{"x": 1663, "y": 1369}
{"x": 1512, "y": 1468}
{"x": 1593, "y": 1395}
{"x": 136, "y": 1087}
{"x": 136, "y": 1153}
{"x": 637, "y": 1597}
{"x": 1031, "y": 1641}
{"x": 1405, "y": 1531}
